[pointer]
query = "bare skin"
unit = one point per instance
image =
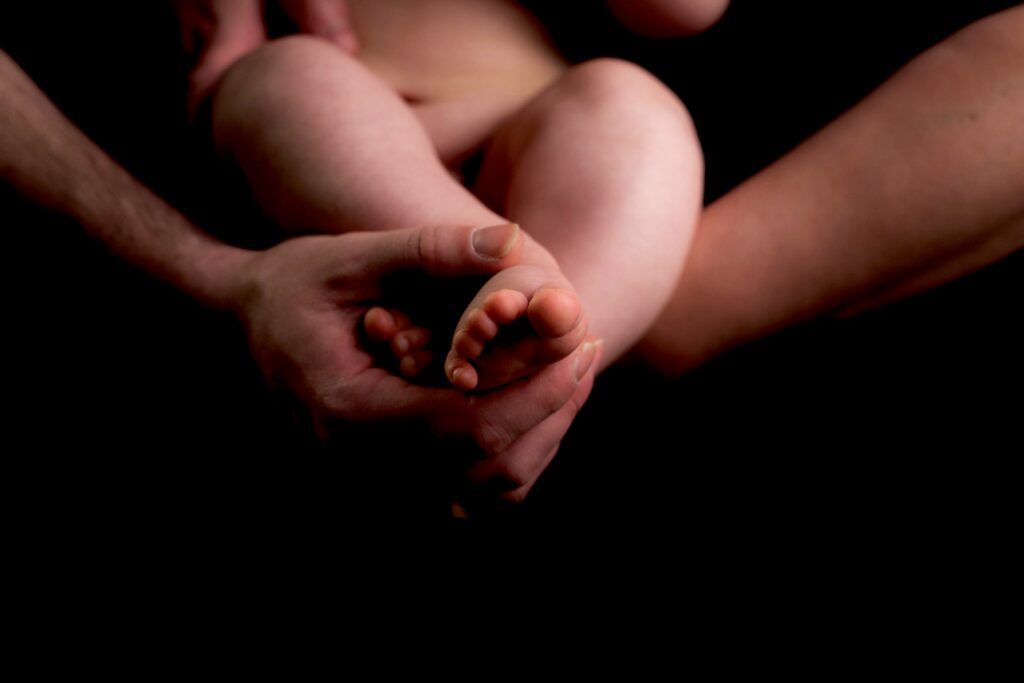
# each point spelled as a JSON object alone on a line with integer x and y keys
{"x": 598, "y": 163}
{"x": 302, "y": 301}
{"x": 919, "y": 185}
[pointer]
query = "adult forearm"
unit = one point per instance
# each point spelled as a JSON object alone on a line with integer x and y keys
{"x": 48, "y": 160}
{"x": 919, "y": 184}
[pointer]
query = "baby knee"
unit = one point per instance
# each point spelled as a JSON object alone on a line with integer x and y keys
{"x": 259, "y": 83}
{"x": 625, "y": 94}
{"x": 282, "y": 61}
{"x": 616, "y": 83}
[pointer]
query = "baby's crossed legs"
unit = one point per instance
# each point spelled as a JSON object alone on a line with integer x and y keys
{"x": 602, "y": 169}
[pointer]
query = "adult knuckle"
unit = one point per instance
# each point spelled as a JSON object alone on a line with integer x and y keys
{"x": 491, "y": 436}
{"x": 420, "y": 246}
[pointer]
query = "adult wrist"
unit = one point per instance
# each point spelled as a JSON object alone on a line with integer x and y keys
{"x": 217, "y": 279}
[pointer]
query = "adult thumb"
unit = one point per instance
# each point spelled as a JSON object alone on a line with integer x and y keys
{"x": 447, "y": 252}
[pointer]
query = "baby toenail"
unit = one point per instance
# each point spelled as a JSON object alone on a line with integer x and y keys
{"x": 584, "y": 359}
{"x": 496, "y": 241}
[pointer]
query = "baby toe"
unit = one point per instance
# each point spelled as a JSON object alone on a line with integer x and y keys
{"x": 379, "y": 324}
{"x": 505, "y": 305}
{"x": 410, "y": 340}
{"x": 481, "y": 326}
{"x": 382, "y": 324}
{"x": 414, "y": 363}
{"x": 460, "y": 372}
{"x": 554, "y": 312}
{"x": 467, "y": 346}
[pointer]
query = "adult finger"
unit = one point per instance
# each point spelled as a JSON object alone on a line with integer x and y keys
{"x": 511, "y": 474}
{"x": 377, "y": 395}
{"x": 446, "y": 252}
{"x": 329, "y": 19}
{"x": 503, "y": 418}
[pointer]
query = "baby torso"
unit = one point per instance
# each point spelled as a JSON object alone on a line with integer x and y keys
{"x": 441, "y": 50}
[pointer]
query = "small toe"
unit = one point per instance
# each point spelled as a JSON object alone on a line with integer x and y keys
{"x": 505, "y": 306}
{"x": 413, "y": 364}
{"x": 381, "y": 324}
{"x": 481, "y": 326}
{"x": 464, "y": 377}
{"x": 410, "y": 340}
{"x": 460, "y": 373}
{"x": 466, "y": 345}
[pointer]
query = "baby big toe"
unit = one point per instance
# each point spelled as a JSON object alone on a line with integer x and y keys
{"x": 554, "y": 312}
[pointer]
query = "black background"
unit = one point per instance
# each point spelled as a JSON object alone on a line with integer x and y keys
{"x": 138, "y": 420}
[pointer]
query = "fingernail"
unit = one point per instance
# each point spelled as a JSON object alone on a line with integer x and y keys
{"x": 496, "y": 241}
{"x": 401, "y": 345}
{"x": 584, "y": 359}
{"x": 455, "y": 376}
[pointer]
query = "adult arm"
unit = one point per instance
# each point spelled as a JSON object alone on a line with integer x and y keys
{"x": 918, "y": 185}
{"x": 301, "y": 302}
{"x": 47, "y": 159}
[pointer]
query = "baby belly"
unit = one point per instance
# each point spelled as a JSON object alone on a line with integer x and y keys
{"x": 442, "y": 50}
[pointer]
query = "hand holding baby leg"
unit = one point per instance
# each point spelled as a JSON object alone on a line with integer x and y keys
{"x": 523, "y": 318}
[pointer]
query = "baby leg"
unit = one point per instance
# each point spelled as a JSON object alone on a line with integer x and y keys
{"x": 605, "y": 169}
{"x": 328, "y": 147}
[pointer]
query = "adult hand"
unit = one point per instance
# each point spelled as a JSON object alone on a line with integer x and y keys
{"x": 303, "y": 301}
{"x": 217, "y": 33}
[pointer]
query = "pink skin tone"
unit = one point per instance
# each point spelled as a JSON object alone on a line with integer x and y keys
{"x": 918, "y": 185}
{"x": 535, "y": 151}
{"x": 591, "y": 165}
{"x": 217, "y": 33}
{"x": 794, "y": 243}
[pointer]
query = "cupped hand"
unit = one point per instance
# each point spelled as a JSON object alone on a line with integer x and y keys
{"x": 302, "y": 304}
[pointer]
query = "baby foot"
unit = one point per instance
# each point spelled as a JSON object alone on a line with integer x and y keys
{"x": 523, "y": 318}
{"x": 409, "y": 343}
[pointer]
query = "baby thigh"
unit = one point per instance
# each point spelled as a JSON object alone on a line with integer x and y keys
{"x": 605, "y": 170}
{"x": 327, "y": 146}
